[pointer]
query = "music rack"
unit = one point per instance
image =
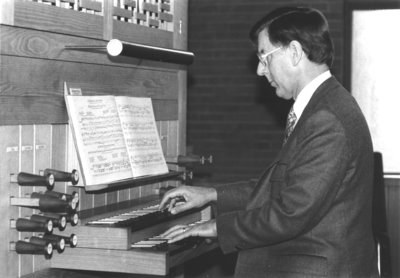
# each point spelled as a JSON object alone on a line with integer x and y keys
{"x": 123, "y": 184}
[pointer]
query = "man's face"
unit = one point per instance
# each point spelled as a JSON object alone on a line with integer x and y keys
{"x": 274, "y": 64}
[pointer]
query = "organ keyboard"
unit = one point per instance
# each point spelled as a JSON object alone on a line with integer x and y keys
{"x": 141, "y": 216}
{"x": 124, "y": 237}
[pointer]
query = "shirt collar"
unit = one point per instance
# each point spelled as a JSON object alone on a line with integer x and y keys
{"x": 307, "y": 92}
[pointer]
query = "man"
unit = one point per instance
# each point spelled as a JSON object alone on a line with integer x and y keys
{"x": 309, "y": 214}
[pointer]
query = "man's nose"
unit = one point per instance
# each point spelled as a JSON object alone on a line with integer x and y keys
{"x": 262, "y": 70}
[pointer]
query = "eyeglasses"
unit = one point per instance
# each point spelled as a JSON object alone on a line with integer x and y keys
{"x": 264, "y": 57}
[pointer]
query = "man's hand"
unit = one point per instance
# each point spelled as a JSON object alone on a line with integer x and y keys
{"x": 206, "y": 229}
{"x": 184, "y": 198}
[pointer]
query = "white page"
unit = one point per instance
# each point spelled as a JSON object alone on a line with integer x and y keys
{"x": 142, "y": 139}
{"x": 99, "y": 139}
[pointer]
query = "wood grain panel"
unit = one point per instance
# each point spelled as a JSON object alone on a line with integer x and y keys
{"x": 135, "y": 261}
{"x": 27, "y": 165}
{"x": 42, "y": 89}
{"x": 88, "y": 201}
{"x": 123, "y": 195}
{"x": 180, "y": 26}
{"x": 59, "y": 20}
{"x": 134, "y": 193}
{"x": 24, "y": 42}
{"x": 107, "y": 20}
{"x": 100, "y": 237}
{"x": 142, "y": 34}
{"x": 32, "y": 110}
{"x": 39, "y": 77}
{"x": 182, "y": 113}
{"x": 65, "y": 273}
{"x": 173, "y": 146}
{"x": 180, "y": 41}
{"x": 112, "y": 197}
{"x": 149, "y": 189}
{"x": 99, "y": 199}
{"x": 59, "y": 154}
{"x": 9, "y": 150}
{"x": 42, "y": 160}
{"x": 91, "y": 5}
{"x": 173, "y": 138}
{"x": 163, "y": 132}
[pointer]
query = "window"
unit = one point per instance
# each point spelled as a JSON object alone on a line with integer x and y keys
{"x": 375, "y": 78}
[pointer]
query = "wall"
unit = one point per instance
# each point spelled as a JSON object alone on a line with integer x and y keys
{"x": 232, "y": 113}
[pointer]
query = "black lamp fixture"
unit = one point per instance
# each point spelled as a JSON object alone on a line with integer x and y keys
{"x": 116, "y": 47}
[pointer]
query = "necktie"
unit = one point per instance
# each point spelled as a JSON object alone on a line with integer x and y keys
{"x": 290, "y": 121}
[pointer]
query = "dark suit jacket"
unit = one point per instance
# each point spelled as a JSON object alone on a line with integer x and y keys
{"x": 309, "y": 214}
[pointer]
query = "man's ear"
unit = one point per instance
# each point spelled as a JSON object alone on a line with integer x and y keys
{"x": 296, "y": 51}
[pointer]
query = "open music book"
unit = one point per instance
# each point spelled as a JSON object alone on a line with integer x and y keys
{"x": 115, "y": 137}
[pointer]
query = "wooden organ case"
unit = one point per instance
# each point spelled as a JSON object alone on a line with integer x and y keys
{"x": 35, "y": 63}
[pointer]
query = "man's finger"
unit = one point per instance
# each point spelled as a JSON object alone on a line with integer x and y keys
{"x": 180, "y": 208}
{"x": 180, "y": 236}
{"x": 172, "y": 230}
{"x": 167, "y": 198}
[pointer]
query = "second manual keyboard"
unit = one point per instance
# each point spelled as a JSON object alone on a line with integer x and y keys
{"x": 146, "y": 216}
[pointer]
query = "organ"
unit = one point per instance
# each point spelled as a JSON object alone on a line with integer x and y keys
{"x": 112, "y": 230}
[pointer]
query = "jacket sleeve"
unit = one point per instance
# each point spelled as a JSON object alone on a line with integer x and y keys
{"x": 232, "y": 196}
{"x": 300, "y": 194}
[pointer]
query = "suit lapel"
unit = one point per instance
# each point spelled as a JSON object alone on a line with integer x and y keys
{"x": 309, "y": 109}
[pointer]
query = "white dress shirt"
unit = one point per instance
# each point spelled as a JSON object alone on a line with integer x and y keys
{"x": 307, "y": 92}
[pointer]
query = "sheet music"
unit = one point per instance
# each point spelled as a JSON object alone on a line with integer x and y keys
{"x": 100, "y": 138}
{"x": 141, "y": 136}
